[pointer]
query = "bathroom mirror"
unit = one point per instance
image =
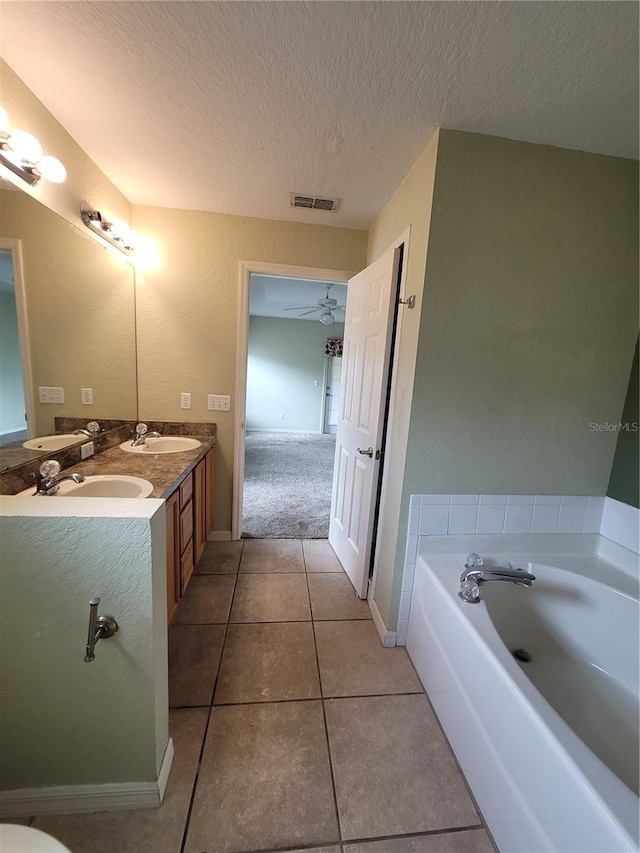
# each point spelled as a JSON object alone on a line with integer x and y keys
{"x": 79, "y": 300}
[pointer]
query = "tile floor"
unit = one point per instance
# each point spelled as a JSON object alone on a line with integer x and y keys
{"x": 294, "y": 729}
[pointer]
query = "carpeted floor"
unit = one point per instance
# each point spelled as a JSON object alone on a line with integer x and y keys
{"x": 287, "y": 485}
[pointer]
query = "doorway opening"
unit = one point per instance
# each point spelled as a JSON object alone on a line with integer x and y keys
{"x": 294, "y": 336}
{"x": 295, "y": 394}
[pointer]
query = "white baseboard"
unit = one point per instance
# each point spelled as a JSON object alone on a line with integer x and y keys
{"x": 387, "y": 638}
{"x": 76, "y": 799}
{"x": 219, "y": 536}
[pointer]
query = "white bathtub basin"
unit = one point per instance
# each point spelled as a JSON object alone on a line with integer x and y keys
{"x": 549, "y": 747}
{"x": 163, "y": 444}
{"x": 102, "y": 486}
{"x": 47, "y": 443}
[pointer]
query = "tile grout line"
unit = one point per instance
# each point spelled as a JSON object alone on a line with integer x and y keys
{"x": 206, "y": 728}
{"x": 324, "y": 712}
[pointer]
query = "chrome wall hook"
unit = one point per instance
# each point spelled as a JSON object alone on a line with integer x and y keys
{"x": 100, "y": 628}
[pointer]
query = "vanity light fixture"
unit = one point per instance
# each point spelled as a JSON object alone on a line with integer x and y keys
{"x": 116, "y": 234}
{"x": 21, "y": 153}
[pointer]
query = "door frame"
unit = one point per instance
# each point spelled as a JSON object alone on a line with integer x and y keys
{"x": 14, "y": 246}
{"x": 247, "y": 268}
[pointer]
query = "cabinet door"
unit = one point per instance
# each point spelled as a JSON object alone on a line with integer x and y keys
{"x": 199, "y": 510}
{"x": 173, "y": 557}
{"x": 208, "y": 461}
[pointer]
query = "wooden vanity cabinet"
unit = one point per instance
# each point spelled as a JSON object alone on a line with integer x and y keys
{"x": 173, "y": 556}
{"x": 189, "y": 520}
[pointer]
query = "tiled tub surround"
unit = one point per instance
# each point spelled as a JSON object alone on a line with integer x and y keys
{"x": 538, "y": 784}
{"x": 439, "y": 515}
{"x": 164, "y": 470}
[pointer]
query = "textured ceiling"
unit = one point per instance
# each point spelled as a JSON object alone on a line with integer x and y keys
{"x": 230, "y": 106}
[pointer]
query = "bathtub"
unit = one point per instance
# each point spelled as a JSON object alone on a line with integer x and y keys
{"x": 549, "y": 747}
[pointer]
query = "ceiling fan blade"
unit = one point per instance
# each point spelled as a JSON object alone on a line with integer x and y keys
{"x": 300, "y": 308}
{"x": 313, "y": 310}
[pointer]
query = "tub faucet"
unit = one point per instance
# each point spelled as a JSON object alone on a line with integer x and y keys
{"x": 48, "y": 478}
{"x": 476, "y": 573}
{"x": 142, "y": 434}
{"x": 92, "y": 430}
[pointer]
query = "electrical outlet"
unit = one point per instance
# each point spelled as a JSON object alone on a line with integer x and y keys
{"x": 50, "y": 395}
{"x": 218, "y": 403}
{"x": 87, "y": 450}
{"x": 87, "y": 396}
{"x": 185, "y": 400}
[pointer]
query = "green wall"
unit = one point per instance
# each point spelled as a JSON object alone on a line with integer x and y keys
{"x": 623, "y": 485}
{"x": 286, "y": 358}
{"x": 528, "y": 324}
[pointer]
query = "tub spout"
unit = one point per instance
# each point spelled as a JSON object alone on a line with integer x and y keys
{"x": 474, "y": 576}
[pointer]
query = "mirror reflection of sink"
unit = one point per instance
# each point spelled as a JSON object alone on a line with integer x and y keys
{"x": 102, "y": 486}
{"x": 53, "y": 442}
{"x": 163, "y": 444}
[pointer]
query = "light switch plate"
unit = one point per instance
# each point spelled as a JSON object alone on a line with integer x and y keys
{"x": 47, "y": 394}
{"x": 185, "y": 400}
{"x": 87, "y": 396}
{"x": 218, "y": 403}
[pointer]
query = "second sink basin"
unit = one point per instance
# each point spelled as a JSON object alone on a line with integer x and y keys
{"x": 48, "y": 443}
{"x": 102, "y": 486}
{"x": 163, "y": 444}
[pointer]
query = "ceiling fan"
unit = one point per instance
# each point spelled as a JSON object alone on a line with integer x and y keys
{"x": 326, "y": 306}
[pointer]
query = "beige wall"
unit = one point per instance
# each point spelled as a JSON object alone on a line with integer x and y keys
{"x": 187, "y": 310}
{"x": 409, "y": 206}
{"x": 84, "y": 181}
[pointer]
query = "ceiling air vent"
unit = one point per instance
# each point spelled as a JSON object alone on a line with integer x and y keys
{"x": 314, "y": 202}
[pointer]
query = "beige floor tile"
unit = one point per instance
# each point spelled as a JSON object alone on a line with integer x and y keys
{"x": 220, "y": 558}
{"x": 268, "y": 662}
{"x": 148, "y": 830}
{"x": 319, "y": 556}
{"x": 465, "y": 841}
{"x": 271, "y": 598}
{"x": 393, "y": 770}
{"x": 272, "y": 555}
{"x": 206, "y": 601}
{"x": 264, "y": 781}
{"x": 353, "y": 661}
{"x": 333, "y": 597}
{"x": 194, "y": 655}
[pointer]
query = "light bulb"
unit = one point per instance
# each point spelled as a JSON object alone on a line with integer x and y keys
{"x": 52, "y": 169}
{"x": 25, "y": 145}
{"x": 4, "y": 120}
{"x": 120, "y": 230}
{"x": 326, "y": 319}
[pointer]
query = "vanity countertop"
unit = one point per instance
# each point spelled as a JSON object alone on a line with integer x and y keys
{"x": 165, "y": 470}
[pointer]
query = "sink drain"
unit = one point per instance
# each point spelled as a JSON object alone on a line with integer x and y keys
{"x": 522, "y": 655}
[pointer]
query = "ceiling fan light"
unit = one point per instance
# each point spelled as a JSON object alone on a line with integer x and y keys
{"x": 326, "y": 319}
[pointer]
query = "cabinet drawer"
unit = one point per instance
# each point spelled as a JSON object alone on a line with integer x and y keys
{"x": 186, "y": 567}
{"x": 186, "y": 526}
{"x": 186, "y": 490}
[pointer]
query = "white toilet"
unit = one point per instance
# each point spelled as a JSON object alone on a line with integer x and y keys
{"x": 25, "y": 839}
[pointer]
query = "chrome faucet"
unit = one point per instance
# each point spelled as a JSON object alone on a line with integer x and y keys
{"x": 92, "y": 430}
{"x": 142, "y": 434}
{"x": 48, "y": 479}
{"x": 476, "y": 573}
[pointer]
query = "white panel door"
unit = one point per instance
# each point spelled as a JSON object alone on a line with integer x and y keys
{"x": 368, "y": 328}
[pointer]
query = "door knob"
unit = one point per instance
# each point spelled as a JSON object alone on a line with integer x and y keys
{"x": 368, "y": 452}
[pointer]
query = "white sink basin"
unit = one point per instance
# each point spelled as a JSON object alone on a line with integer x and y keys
{"x": 47, "y": 443}
{"x": 163, "y": 444}
{"x": 102, "y": 486}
